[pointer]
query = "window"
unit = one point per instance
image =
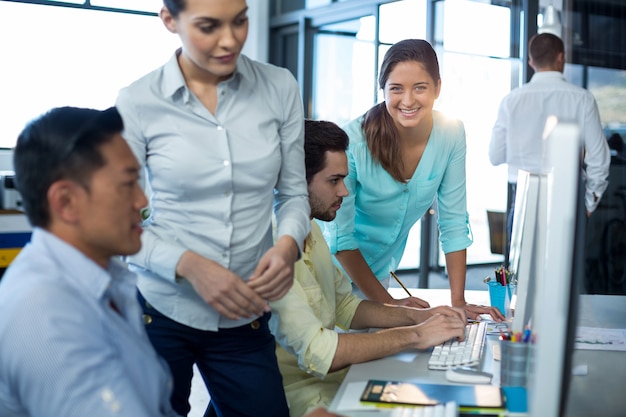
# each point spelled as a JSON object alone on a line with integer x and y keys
{"x": 67, "y": 56}
{"x": 476, "y": 74}
{"x": 343, "y": 74}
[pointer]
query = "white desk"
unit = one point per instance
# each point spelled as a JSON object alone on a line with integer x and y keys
{"x": 410, "y": 365}
{"x": 600, "y": 393}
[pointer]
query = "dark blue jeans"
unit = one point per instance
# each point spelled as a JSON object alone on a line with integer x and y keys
{"x": 238, "y": 365}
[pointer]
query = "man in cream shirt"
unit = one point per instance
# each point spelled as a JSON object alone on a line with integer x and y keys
{"x": 313, "y": 357}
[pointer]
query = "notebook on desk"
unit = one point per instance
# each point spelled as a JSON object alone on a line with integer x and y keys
{"x": 389, "y": 393}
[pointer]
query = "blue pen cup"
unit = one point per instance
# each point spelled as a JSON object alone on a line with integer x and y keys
{"x": 514, "y": 363}
{"x": 500, "y": 295}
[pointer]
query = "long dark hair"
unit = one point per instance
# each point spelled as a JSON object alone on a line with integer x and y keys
{"x": 175, "y": 6}
{"x": 380, "y": 131}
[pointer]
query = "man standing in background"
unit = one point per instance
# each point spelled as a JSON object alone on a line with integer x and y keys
{"x": 517, "y": 134}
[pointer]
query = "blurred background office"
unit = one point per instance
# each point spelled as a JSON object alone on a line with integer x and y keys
{"x": 80, "y": 53}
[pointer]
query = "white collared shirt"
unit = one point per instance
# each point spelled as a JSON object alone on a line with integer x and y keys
{"x": 517, "y": 134}
{"x": 65, "y": 351}
{"x": 214, "y": 177}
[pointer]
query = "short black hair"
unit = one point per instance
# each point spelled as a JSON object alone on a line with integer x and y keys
{"x": 544, "y": 48}
{"x": 63, "y": 143}
{"x": 321, "y": 136}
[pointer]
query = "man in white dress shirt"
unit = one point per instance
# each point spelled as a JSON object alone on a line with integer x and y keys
{"x": 517, "y": 134}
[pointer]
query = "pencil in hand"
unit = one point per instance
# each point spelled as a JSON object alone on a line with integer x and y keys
{"x": 400, "y": 282}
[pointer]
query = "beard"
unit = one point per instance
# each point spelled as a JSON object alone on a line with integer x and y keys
{"x": 320, "y": 211}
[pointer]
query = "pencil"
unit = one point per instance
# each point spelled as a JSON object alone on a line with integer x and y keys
{"x": 400, "y": 282}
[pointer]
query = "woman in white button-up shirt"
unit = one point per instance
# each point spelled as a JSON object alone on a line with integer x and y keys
{"x": 221, "y": 137}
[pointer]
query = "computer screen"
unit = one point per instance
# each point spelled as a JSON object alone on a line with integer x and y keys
{"x": 560, "y": 273}
{"x": 526, "y": 244}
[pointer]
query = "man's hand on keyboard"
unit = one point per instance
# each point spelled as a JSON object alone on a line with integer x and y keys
{"x": 474, "y": 311}
{"x": 467, "y": 352}
{"x": 438, "y": 329}
{"x": 425, "y": 313}
{"x": 410, "y": 302}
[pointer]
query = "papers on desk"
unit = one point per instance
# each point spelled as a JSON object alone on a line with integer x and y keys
{"x": 494, "y": 327}
{"x": 598, "y": 338}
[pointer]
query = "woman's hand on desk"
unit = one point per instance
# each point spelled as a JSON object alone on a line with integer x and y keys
{"x": 224, "y": 290}
{"x": 474, "y": 311}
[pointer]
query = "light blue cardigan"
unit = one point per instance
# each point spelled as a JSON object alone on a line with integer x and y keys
{"x": 379, "y": 212}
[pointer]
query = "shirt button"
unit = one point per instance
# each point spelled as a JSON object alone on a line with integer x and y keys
{"x": 147, "y": 318}
{"x": 226, "y": 163}
{"x": 255, "y": 325}
{"x": 224, "y": 255}
{"x": 220, "y": 128}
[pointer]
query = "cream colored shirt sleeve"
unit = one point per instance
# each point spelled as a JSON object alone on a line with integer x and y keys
{"x": 304, "y": 321}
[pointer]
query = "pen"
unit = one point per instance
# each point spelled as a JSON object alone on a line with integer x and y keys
{"x": 400, "y": 282}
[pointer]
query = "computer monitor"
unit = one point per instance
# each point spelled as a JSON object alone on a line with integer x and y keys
{"x": 525, "y": 244}
{"x": 560, "y": 273}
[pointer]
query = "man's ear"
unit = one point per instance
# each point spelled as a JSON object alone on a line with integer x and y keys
{"x": 560, "y": 61}
{"x": 62, "y": 199}
{"x": 168, "y": 20}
